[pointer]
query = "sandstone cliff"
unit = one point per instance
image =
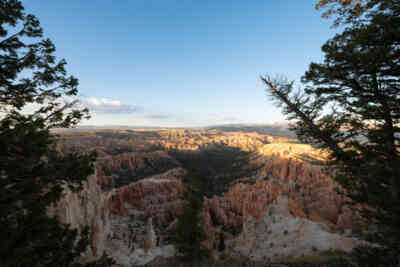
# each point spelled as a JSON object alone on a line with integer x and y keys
{"x": 133, "y": 200}
{"x": 128, "y": 223}
{"x": 278, "y": 235}
{"x": 87, "y": 208}
{"x": 310, "y": 192}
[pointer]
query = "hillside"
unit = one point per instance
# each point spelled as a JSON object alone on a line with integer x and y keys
{"x": 253, "y": 182}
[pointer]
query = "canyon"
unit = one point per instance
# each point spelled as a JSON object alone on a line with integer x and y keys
{"x": 269, "y": 197}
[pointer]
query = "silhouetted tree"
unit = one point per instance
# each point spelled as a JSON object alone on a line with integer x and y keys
{"x": 33, "y": 90}
{"x": 346, "y": 11}
{"x": 189, "y": 233}
{"x": 221, "y": 245}
{"x": 353, "y": 11}
{"x": 351, "y": 106}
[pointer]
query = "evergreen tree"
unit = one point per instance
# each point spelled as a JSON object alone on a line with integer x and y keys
{"x": 189, "y": 234}
{"x": 221, "y": 245}
{"x": 33, "y": 91}
{"x": 347, "y": 11}
{"x": 350, "y": 105}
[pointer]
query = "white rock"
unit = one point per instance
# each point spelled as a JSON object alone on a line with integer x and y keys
{"x": 279, "y": 234}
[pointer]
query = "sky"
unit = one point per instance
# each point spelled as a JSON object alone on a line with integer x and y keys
{"x": 182, "y": 63}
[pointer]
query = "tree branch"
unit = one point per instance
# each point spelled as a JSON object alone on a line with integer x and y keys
{"x": 332, "y": 144}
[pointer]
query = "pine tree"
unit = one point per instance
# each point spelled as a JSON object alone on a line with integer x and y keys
{"x": 347, "y": 11}
{"x": 32, "y": 173}
{"x": 221, "y": 245}
{"x": 350, "y": 105}
{"x": 189, "y": 234}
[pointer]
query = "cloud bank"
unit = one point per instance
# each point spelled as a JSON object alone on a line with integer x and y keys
{"x": 108, "y": 106}
{"x": 158, "y": 116}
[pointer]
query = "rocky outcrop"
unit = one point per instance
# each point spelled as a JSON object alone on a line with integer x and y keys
{"x": 300, "y": 152}
{"x": 151, "y": 239}
{"x": 227, "y": 213}
{"x": 280, "y": 235}
{"x": 128, "y": 223}
{"x": 129, "y": 167}
{"x": 140, "y": 214}
{"x": 195, "y": 140}
{"x": 133, "y": 201}
{"x": 310, "y": 192}
{"x": 156, "y": 196}
{"x": 87, "y": 208}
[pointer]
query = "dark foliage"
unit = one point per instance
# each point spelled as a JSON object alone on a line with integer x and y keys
{"x": 189, "y": 233}
{"x": 221, "y": 245}
{"x": 351, "y": 106}
{"x": 32, "y": 173}
{"x": 351, "y": 11}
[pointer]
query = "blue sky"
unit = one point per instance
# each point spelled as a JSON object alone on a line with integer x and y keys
{"x": 182, "y": 62}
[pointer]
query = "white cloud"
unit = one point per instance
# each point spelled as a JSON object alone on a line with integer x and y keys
{"x": 108, "y": 106}
{"x": 95, "y": 105}
{"x": 103, "y": 101}
{"x": 158, "y": 116}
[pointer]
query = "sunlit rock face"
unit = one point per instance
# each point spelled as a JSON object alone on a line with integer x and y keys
{"x": 280, "y": 235}
{"x": 183, "y": 140}
{"x": 309, "y": 191}
{"x": 133, "y": 201}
